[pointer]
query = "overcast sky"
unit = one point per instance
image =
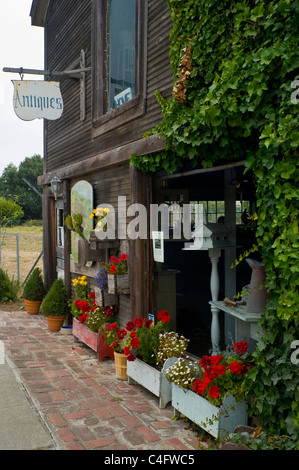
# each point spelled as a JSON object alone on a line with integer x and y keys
{"x": 21, "y": 45}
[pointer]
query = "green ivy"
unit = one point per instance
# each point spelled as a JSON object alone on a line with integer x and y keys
{"x": 240, "y": 107}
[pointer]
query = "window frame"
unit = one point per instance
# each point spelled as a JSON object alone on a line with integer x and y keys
{"x": 102, "y": 119}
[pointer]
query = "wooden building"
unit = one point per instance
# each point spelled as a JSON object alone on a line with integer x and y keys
{"x": 114, "y": 55}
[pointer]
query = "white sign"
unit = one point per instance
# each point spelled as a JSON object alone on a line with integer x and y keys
{"x": 123, "y": 96}
{"x": 37, "y": 99}
{"x": 158, "y": 246}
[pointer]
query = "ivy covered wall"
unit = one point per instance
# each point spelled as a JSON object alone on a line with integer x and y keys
{"x": 236, "y": 97}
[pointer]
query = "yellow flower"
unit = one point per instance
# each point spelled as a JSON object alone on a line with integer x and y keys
{"x": 91, "y": 216}
{"x": 106, "y": 210}
{"x": 99, "y": 224}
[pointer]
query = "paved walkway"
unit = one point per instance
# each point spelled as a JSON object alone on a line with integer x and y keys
{"x": 59, "y": 392}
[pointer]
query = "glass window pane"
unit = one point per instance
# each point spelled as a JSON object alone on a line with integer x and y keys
{"x": 121, "y": 51}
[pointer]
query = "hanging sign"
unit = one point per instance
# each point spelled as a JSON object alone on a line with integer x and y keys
{"x": 37, "y": 99}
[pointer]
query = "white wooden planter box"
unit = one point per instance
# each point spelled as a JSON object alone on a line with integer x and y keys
{"x": 151, "y": 378}
{"x": 217, "y": 421}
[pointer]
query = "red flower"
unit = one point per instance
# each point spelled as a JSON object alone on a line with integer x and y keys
{"x": 92, "y": 295}
{"x": 131, "y": 357}
{"x": 83, "y": 318}
{"x": 235, "y": 367}
{"x": 112, "y": 269}
{"x": 219, "y": 369}
{"x": 216, "y": 359}
{"x": 123, "y": 257}
{"x": 130, "y": 326}
{"x": 199, "y": 385}
{"x": 163, "y": 316}
{"x": 241, "y": 347}
{"x": 138, "y": 322}
{"x": 214, "y": 391}
{"x": 108, "y": 311}
{"x": 205, "y": 362}
{"x": 127, "y": 350}
{"x": 135, "y": 342}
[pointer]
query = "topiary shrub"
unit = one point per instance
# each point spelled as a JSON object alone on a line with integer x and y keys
{"x": 55, "y": 302}
{"x": 35, "y": 288}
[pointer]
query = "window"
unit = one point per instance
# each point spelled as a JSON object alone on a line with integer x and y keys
{"x": 118, "y": 57}
{"x": 120, "y": 52}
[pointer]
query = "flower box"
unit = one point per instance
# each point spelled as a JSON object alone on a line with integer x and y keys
{"x": 118, "y": 284}
{"x": 95, "y": 341}
{"x": 152, "y": 379}
{"x": 104, "y": 298}
{"x": 217, "y": 421}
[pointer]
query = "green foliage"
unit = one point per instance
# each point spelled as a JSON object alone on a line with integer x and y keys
{"x": 56, "y": 300}
{"x": 74, "y": 223}
{"x": 9, "y": 288}
{"x": 241, "y": 106}
{"x": 12, "y": 185}
{"x": 149, "y": 342}
{"x": 35, "y": 289}
{"x": 10, "y": 210}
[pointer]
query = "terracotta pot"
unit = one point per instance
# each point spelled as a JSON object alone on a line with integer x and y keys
{"x": 32, "y": 306}
{"x": 120, "y": 366}
{"x": 55, "y": 322}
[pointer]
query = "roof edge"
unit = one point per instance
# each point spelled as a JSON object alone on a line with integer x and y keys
{"x": 38, "y": 12}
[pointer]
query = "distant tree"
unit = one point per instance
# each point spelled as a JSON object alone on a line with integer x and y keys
{"x": 10, "y": 211}
{"x": 12, "y": 185}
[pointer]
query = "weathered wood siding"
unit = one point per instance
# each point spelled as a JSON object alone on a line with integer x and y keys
{"x": 67, "y": 31}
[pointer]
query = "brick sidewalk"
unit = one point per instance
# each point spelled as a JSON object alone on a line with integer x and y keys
{"x": 80, "y": 399}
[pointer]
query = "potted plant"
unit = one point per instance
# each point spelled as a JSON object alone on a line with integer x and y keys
{"x": 89, "y": 318}
{"x": 34, "y": 292}
{"x": 117, "y": 273}
{"x": 210, "y": 392}
{"x": 55, "y": 305}
{"x": 151, "y": 350}
{"x": 115, "y": 336}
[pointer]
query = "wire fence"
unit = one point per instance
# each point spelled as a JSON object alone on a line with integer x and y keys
{"x": 20, "y": 254}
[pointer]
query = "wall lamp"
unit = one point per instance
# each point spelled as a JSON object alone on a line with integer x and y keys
{"x": 56, "y": 184}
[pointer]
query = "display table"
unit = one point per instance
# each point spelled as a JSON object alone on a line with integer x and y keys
{"x": 246, "y": 324}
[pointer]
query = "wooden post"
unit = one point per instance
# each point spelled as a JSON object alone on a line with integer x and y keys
{"x": 140, "y": 254}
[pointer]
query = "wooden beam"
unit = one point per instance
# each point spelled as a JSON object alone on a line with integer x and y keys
{"x": 105, "y": 159}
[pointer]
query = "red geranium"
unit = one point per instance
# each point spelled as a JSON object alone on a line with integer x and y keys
{"x": 163, "y": 316}
{"x": 112, "y": 269}
{"x": 241, "y": 347}
{"x": 214, "y": 391}
{"x": 235, "y": 367}
{"x": 83, "y": 318}
{"x": 135, "y": 342}
{"x": 222, "y": 373}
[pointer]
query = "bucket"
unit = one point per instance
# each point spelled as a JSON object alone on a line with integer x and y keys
{"x": 120, "y": 366}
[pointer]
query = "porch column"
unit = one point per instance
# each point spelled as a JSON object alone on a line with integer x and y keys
{"x": 214, "y": 255}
